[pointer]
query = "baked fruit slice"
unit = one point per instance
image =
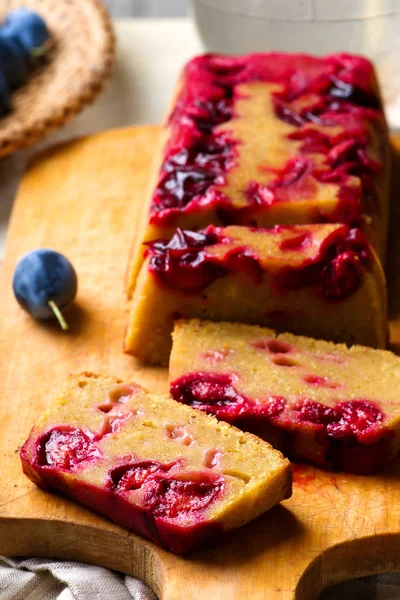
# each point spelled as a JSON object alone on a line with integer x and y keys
{"x": 167, "y": 472}
{"x": 269, "y": 139}
{"x": 324, "y": 281}
{"x": 327, "y": 404}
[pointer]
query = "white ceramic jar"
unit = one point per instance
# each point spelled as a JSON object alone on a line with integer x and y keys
{"x": 370, "y": 27}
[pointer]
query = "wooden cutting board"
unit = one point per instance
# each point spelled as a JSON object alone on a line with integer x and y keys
{"x": 84, "y": 199}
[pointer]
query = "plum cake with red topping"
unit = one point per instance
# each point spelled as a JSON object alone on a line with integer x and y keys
{"x": 324, "y": 281}
{"x": 322, "y": 403}
{"x": 269, "y": 139}
{"x": 163, "y": 470}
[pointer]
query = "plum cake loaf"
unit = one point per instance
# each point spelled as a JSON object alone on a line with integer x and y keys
{"x": 324, "y": 281}
{"x": 167, "y": 472}
{"x": 327, "y": 404}
{"x": 269, "y": 139}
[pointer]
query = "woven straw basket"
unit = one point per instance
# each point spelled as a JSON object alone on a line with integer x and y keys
{"x": 80, "y": 62}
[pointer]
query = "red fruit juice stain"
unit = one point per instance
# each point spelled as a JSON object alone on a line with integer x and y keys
{"x": 307, "y": 477}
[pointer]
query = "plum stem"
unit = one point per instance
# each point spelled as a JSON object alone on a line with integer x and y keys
{"x": 38, "y": 51}
{"x": 58, "y": 314}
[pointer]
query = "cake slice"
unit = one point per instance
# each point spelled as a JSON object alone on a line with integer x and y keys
{"x": 327, "y": 404}
{"x": 324, "y": 281}
{"x": 269, "y": 139}
{"x": 167, "y": 472}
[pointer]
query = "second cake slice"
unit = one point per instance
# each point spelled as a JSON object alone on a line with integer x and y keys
{"x": 327, "y": 404}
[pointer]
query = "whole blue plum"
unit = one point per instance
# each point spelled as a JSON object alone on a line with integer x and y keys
{"x": 44, "y": 283}
{"x": 5, "y": 100}
{"x": 27, "y": 28}
{"x": 14, "y": 61}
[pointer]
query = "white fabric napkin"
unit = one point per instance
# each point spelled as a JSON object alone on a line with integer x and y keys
{"x": 46, "y": 579}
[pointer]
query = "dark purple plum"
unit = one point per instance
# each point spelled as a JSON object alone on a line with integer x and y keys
{"x": 27, "y": 28}
{"x": 5, "y": 100}
{"x": 45, "y": 283}
{"x": 14, "y": 61}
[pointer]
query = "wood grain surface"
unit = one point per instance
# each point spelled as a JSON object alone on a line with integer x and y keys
{"x": 84, "y": 199}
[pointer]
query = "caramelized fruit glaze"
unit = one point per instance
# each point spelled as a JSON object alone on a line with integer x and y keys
{"x": 329, "y": 100}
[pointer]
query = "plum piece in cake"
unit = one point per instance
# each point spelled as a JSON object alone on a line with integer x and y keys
{"x": 163, "y": 470}
{"x": 326, "y": 404}
{"x": 269, "y": 139}
{"x": 324, "y": 281}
